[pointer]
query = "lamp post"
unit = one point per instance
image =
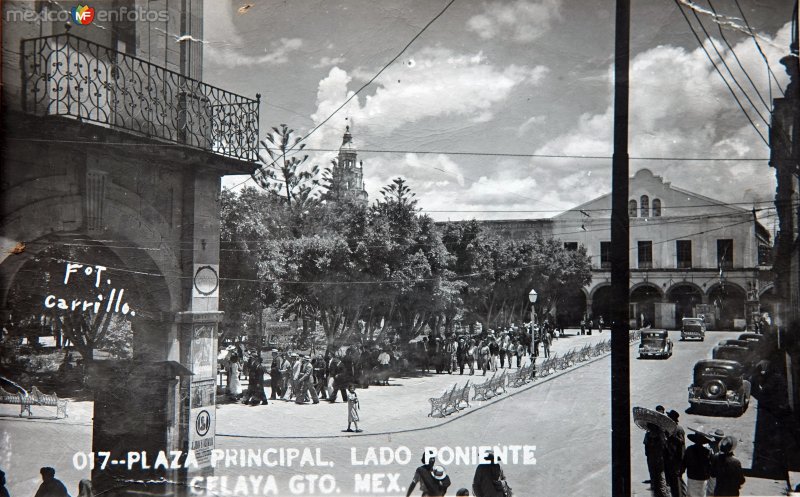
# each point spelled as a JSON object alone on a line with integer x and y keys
{"x": 532, "y": 296}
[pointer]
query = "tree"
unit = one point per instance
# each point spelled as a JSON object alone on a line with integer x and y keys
{"x": 282, "y": 174}
{"x": 56, "y": 295}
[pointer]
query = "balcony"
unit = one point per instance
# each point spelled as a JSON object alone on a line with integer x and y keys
{"x": 64, "y": 75}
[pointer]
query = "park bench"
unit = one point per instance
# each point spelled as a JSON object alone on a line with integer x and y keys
{"x": 35, "y": 398}
{"x": 441, "y": 404}
{"x": 499, "y": 384}
{"x": 463, "y": 396}
{"x": 483, "y": 391}
{"x": 520, "y": 377}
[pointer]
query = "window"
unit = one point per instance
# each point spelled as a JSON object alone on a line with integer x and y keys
{"x": 571, "y": 246}
{"x": 632, "y": 208}
{"x": 645, "y": 255}
{"x": 645, "y": 205}
{"x": 764, "y": 255}
{"x": 605, "y": 255}
{"x": 725, "y": 253}
{"x": 683, "y": 249}
{"x": 656, "y": 207}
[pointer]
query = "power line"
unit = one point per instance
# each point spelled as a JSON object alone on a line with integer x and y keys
{"x": 357, "y": 92}
{"x": 760, "y": 51}
{"x": 733, "y": 93}
{"x": 739, "y": 62}
{"x": 727, "y": 67}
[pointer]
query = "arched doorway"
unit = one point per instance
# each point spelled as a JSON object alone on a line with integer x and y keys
{"x": 643, "y": 299}
{"x": 571, "y": 309}
{"x": 685, "y": 296}
{"x": 601, "y": 303}
{"x": 728, "y": 302}
{"x": 68, "y": 291}
{"x": 768, "y": 301}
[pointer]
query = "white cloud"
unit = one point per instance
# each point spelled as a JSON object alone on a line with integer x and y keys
{"x": 329, "y": 61}
{"x": 277, "y": 53}
{"x": 439, "y": 84}
{"x": 679, "y": 107}
{"x": 530, "y": 123}
{"x": 522, "y": 21}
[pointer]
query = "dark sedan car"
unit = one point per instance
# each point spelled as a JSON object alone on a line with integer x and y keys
{"x": 719, "y": 386}
{"x": 655, "y": 343}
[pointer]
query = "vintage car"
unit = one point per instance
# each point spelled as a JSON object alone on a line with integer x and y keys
{"x": 751, "y": 337}
{"x": 719, "y": 386}
{"x": 693, "y": 328}
{"x": 734, "y": 350}
{"x": 655, "y": 343}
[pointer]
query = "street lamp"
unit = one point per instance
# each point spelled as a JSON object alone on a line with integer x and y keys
{"x": 532, "y": 296}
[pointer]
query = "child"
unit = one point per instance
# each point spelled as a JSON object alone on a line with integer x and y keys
{"x": 352, "y": 408}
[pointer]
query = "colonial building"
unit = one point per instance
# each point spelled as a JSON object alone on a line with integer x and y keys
{"x": 690, "y": 255}
{"x": 347, "y": 174}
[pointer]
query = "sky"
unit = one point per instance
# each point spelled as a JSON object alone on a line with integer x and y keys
{"x": 478, "y": 112}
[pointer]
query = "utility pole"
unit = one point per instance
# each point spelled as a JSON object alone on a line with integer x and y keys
{"x": 620, "y": 265}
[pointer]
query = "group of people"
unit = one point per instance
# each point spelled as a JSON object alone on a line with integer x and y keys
{"x": 51, "y": 486}
{"x": 433, "y": 481}
{"x": 587, "y": 325}
{"x": 488, "y": 351}
{"x": 709, "y": 463}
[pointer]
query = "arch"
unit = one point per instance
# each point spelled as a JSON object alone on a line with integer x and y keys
{"x": 632, "y": 211}
{"x": 643, "y": 297}
{"x": 728, "y": 301}
{"x": 602, "y": 302}
{"x": 685, "y": 295}
{"x": 656, "y": 207}
{"x": 767, "y": 288}
{"x": 571, "y": 308}
{"x": 644, "y": 204}
{"x": 35, "y": 224}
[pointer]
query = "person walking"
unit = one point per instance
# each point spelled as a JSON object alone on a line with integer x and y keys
{"x": 655, "y": 446}
{"x": 51, "y": 487}
{"x": 255, "y": 389}
{"x": 352, "y": 408}
{"x": 727, "y": 469}
{"x": 697, "y": 465}
{"x": 423, "y": 476}
{"x": 275, "y": 375}
{"x": 286, "y": 374}
{"x": 673, "y": 457}
{"x": 3, "y": 489}
{"x": 305, "y": 382}
{"x": 600, "y": 324}
{"x": 234, "y": 384}
{"x": 489, "y": 480}
{"x": 441, "y": 482}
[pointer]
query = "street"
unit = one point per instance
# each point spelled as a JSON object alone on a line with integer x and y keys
{"x": 561, "y": 416}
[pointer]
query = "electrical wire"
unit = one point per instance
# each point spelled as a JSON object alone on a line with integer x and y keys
{"x": 727, "y": 68}
{"x": 760, "y": 51}
{"x": 739, "y": 62}
{"x": 733, "y": 93}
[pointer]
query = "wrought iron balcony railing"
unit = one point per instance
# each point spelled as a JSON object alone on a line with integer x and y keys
{"x": 69, "y": 76}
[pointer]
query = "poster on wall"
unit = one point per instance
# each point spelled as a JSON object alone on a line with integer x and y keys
{"x": 364, "y": 248}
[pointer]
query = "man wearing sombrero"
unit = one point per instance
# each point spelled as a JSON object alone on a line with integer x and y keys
{"x": 697, "y": 464}
{"x": 727, "y": 469}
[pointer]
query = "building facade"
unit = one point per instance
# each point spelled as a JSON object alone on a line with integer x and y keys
{"x": 690, "y": 255}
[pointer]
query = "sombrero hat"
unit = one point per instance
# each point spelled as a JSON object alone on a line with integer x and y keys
{"x": 698, "y": 438}
{"x": 712, "y": 435}
{"x": 643, "y": 416}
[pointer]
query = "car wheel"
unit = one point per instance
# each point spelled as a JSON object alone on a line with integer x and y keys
{"x": 714, "y": 389}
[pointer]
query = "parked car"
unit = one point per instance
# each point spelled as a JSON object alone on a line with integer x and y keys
{"x": 655, "y": 343}
{"x": 719, "y": 386}
{"x": 751, "y": 337}
{"x": 693, "y": 328}
{"x": 734, "y": 350}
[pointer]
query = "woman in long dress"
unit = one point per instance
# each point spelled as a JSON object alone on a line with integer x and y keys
{"x": 234, "y": 385}
{"x": 352, "y": 408}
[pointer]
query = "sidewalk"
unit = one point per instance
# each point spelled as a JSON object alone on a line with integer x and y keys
{"x": 401, "y": 406}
